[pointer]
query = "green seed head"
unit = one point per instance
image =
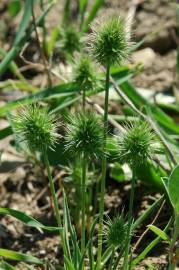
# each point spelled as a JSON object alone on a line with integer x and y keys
{"x": 136, "y": 144}
{"x": 69, "y": 40}
{"x": 109, "y": 42}
{"x": 36, "y": 127}
{"x": 84, "y": 73}
{"x": 115, "y": 231}
{"x": 84, "y": 135}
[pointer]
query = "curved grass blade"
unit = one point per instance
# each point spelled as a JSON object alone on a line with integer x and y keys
{"x": 152, "y": 244}
{"x": 21, "y": 41}
{"x": 6, "y": 266}
{"x": 27, "y": 220}
{"x": 62, "y": 90}
{"x": 20, "y": 257}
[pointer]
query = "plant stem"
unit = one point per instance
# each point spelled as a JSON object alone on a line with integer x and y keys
{"x": 172, "y": 261}
{"x": 112, "y": 259}
{"x": 84, "y": 99}
{"x": 55, "y": 201}
{"x": 130, "y": 218}
{"x": 83, "y": 194}
{"x": 104, "y": 163}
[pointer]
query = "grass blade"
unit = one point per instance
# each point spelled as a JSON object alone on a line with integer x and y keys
{"x": 27, "y": 220}
{"x": 20, "y": 257}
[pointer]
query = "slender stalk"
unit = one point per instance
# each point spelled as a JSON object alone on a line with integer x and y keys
{"x": 84, "y": 99}
{"x": 130, "y": 218}
{"x": 104, "y": 163}
{"x": 83, "y": 194}
{"x": 112, "y": 259}
{"x": 55, "y": 201}
{"x": 172, "y": 261}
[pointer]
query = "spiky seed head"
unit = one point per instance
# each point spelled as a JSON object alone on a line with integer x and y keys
{"x": 109, "y": 42}
{"x": 36, "y": 127}
{"x": 84, "y": 73}
{"x": 84, "y": 135}
{"x": 115, "y": 231}
{"x": 136, "y": 145}
{"x": 69, "y": 40}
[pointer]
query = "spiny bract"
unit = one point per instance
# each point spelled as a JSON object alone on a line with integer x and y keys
{"x": 136, "y": 144}
{"x": 84, "y": 135}
{"x": 109, "y": 42}
{"x": 84, "y": 73}
{"x": 115, "y": 231}
{"x": 36, "y": 127}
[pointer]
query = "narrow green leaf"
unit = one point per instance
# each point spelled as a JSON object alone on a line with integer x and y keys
{"x": 147, "y": 212}
{"x": 149, "y": 247}
{"x": 159, "y": 232}
{"x": 25, "y": 21}
{"x": 27, "y": 220}
{"x": 173, "y": 188}
{"x": 6, "y": 266}
{"x": 92, "y": 13}
{"x": 58, "y": 91}
{"x": 17, "y": 256}
{"x": 5, "y": 132}
{"x": 82, "y": 5}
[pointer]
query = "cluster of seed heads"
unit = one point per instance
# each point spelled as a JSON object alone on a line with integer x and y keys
{"x": 36, "y": 127}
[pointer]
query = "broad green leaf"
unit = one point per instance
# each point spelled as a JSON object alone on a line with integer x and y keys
{"x": 27, "y": 220}
{"x": 173, "y": 188}
{"x": 159, "y": 232}
{"x": 161, "y": 117}
{"x": 17, "y": 256}
{"x": 116, "y": 172}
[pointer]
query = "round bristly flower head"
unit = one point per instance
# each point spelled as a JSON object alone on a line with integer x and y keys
{"x": 36, "y": 127}
{"x": 115, "y": 231}
{"x": 84, "y": 135}
{"x": 70, "y": 40}
{"x": 109, "y": 42}
{"x": 84, "y": 73}
{"x": 136, "y": 145}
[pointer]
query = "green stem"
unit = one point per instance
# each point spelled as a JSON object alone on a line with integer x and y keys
{"x": 172, "y": 262}
{"x": 130, "y": 218}
{"x": 104, "y": 165}
{"x": 112, "y": 259}
{"x": 83, "y": 194}
{"x": 55, "y": 201}
{"x": 84, "y": 99}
